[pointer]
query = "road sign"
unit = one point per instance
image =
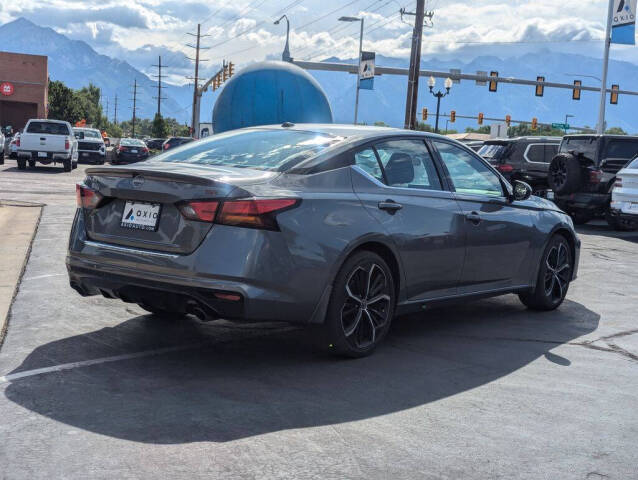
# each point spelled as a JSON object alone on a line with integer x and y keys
{"x": 6, "y": 89}
{"x": 561, "y": 126}
{"x": 366, "y": 70}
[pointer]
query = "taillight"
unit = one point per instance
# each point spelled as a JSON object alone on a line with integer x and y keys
{"x": 166, "y": 146}
{"x": 18, "y": 142}
{"x": 67, "y": 144}
{"x": 202, "y": 211}
{"x": 145, "y": 150}
{"x": 255, "y": 213}
{"x": 595, "y": 176}
{"x": 87, "y": 198}
{"x": 618, "y": 182}
{"x": 504, "y": 168}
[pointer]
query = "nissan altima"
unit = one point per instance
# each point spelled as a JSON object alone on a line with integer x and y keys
{"x": 339, "y": 226}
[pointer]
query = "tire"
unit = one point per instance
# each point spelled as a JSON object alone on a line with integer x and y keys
{"x": 618, "y": 225}
{"x": 581, "y": 218}
{"x": 31, "y": 163}
{"x": 162, "y": 312}
{"x": 22, "y": 164}
{"x": 74, "y": 165}
{"x": 564, "y": 175}
{"x": 554, "y": 276}
{"x": 67, "y": 165}
{"x": 354, "y": 325}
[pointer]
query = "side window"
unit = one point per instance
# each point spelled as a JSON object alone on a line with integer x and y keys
{"x": 408, "y": 163}
{"x": 551, "y": 149}
{"x": 367, "y": 161}
{"x": 621, "y": 149}
{"x": 468, "y": 173}
{"x": 535, "y": 153}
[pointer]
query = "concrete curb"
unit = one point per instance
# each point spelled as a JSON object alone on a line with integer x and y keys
{"x": 12, "y": 268}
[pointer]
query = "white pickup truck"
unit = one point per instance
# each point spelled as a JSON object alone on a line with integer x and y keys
{"x": 47, "y": 141}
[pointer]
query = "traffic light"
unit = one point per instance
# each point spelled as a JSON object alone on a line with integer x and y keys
{"x": 613, "y": 99}
{"x": 225, "y": 72}
{"x": 231, "y": 69}
{"x": 493, "y": 83}
{"x": 424, "y": 114}
{"x": 452, "y": 116}
{"x": 534, "y": 123}
{"x": 576, "y": 91}
{"x": 540, "y": 88}
{"x": 508, "y": 120}
{"x": 480, "y": 118}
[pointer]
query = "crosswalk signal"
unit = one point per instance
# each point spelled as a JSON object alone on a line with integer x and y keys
{"x": 424, "y": 114}
{"x": 613, "y": 99}
{"x": 576, "y": 91}
{"x": 452, "y": 116}
{"x": 508, "y": 120}
{"x": 540, "y": 88}
{"x": 231, "y": 69}
{"x": 480, "y": 118}
{"x": 534, "y": 123}
{"x": 493, "y": 83}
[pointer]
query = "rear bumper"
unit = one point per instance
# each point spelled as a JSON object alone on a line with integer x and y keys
{"x": 51, "y": 156}
{"x": 620, "y": 212}
{"x": 91, "y": 156}
{"x": 582, "y": 202}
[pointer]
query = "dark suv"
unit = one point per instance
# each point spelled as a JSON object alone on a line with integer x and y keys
{"x": 523, "y": 158}
{"x": 173, "y": 142}
{"x": 582, "y": 175}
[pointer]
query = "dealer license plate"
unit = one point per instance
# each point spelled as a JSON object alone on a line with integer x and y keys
{"x": 42, "y": 154}
{"x": 141, "y": 215}
{"x": 85, "y": 154}
{"x": 633, "y": 206}
{"x": 134, "y": 151}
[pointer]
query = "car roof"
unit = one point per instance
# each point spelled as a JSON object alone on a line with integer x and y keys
{"x": 597, "y": 135}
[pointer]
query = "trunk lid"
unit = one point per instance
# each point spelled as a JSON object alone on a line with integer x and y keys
{"x": 165, "y": 185}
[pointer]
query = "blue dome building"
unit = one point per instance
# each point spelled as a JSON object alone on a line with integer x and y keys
{"x": 267, "y": 93}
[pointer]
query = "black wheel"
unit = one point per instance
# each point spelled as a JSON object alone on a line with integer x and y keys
{"x": 162, "y": 312}
{"x": 554, "y": 275}
{"x": 22, "y": 164}
{"x": 31, "y": 163}
{"x": 361, "y": 306}
{"x": 74, "y": 165}
{"x": 618, "y": 224}
{"x": 67, "y": 165}
{"x": 580, "y": 218}
{"x": 564, "y": 175}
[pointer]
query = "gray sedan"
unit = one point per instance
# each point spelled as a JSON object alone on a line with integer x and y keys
{"x": 339, "y": 226}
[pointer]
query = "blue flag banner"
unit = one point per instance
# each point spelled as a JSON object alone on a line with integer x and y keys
{"x": 623, "y": 22}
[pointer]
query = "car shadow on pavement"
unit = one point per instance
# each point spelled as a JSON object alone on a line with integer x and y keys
{"x": 37, "y": 169}
{"x": 603, "y": 230}
{"x": 251, "y": 379}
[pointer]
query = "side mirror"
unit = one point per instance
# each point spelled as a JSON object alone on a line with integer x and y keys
{"x": 521, "y": 190}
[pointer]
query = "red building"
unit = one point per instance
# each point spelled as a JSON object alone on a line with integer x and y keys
{"x": 23, "y": 88}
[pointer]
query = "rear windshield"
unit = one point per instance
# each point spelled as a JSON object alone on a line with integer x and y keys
{"x": 587, "y": 146}
{"x": 274, "y": 150}
{"x": 50, "y": 128}
{"x": 492, "y": 151}
{"x": 132, "y": 142}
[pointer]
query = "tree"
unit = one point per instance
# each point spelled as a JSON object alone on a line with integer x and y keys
{"x": 159, "y": 129}
{"x": 615, "y": 131}
{"x": 62, "y": 104}
{"x": 481, "y": 129}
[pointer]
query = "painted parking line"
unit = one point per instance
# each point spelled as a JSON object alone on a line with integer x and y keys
{"x": 96, "y": 361}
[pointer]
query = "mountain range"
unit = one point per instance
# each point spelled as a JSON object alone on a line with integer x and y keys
{"x": 75, "y": 63}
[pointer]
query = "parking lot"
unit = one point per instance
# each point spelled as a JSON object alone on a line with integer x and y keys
{"x": 95, "y": 388}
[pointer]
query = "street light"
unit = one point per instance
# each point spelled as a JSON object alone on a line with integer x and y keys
{"x": 567, "y": 117}
{"x": 355, "y": 19}
{"x": 439, "y": 95}
{"x": 285, "y": 56}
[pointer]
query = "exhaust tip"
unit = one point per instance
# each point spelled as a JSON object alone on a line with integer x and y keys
{"x": 203, "y": 314}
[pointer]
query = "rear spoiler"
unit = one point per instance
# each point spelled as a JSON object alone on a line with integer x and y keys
{"x": 130, "y": 172}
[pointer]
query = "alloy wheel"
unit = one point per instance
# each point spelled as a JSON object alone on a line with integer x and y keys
{"x": 366, "y": 309}
{"x": 559, "y": 173}
{"x": 557, "y": 272}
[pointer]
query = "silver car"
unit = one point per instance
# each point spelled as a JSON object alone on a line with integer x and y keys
{"x": 341, "y": 226}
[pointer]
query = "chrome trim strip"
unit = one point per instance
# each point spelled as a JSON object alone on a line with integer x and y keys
{"x": 138, "y": 251}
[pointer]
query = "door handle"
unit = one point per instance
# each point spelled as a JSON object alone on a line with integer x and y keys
{"x": 390, "y": 206}
{"x": 473, "y": 217}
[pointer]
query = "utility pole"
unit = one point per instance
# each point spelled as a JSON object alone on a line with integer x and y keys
{"x": 134, "y": 107}
{"x": 197, "y": 47}
{"x": 115, "y": 115}
{"x": 159, "y": 77}
{"x": 415, "y": 63}
{"x": 600, "y": 128}
{"x": 107, "y": 108}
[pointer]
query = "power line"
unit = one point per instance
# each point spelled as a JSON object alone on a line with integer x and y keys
{"x": 134, "y": 107}
{"x": 159, "y": 77}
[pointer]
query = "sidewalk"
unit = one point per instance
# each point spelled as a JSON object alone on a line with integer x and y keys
{"x": 18, "y": 225}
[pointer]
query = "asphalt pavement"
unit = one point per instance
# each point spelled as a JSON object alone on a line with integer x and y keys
{"x": 95, "y": 388}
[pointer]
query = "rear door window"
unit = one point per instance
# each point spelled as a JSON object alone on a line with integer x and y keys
{"x": 408, "y": 163}
{"x": 367, "y": 161}
{"x": 551, "y": 149}
{"x": 621, "y": 149}
{"x": 535, "y": 153}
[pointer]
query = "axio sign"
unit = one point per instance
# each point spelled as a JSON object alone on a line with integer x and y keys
{"x": 6, "y": 89}
{"x": 623, "y": 22}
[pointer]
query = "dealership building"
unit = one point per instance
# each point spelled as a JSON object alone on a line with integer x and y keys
{"x": 23, "y": 88}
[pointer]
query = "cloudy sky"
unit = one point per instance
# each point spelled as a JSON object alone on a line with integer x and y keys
{"x": 242, "y": 30}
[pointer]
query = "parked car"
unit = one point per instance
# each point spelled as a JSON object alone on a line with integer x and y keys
{"x": 583, "y": 172}
{"x": 130, "y": 150}
{"x": 173, "y": 142}
{"x": 342, "y": 226}
{"x": 47, "y": 141}
{"x": 2, "y": 149}
{"x": 623, "y": 211}
{"x": 155, "y": 143}
{"x": 522, "y": 158}
{"x": 91, "y": 145}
